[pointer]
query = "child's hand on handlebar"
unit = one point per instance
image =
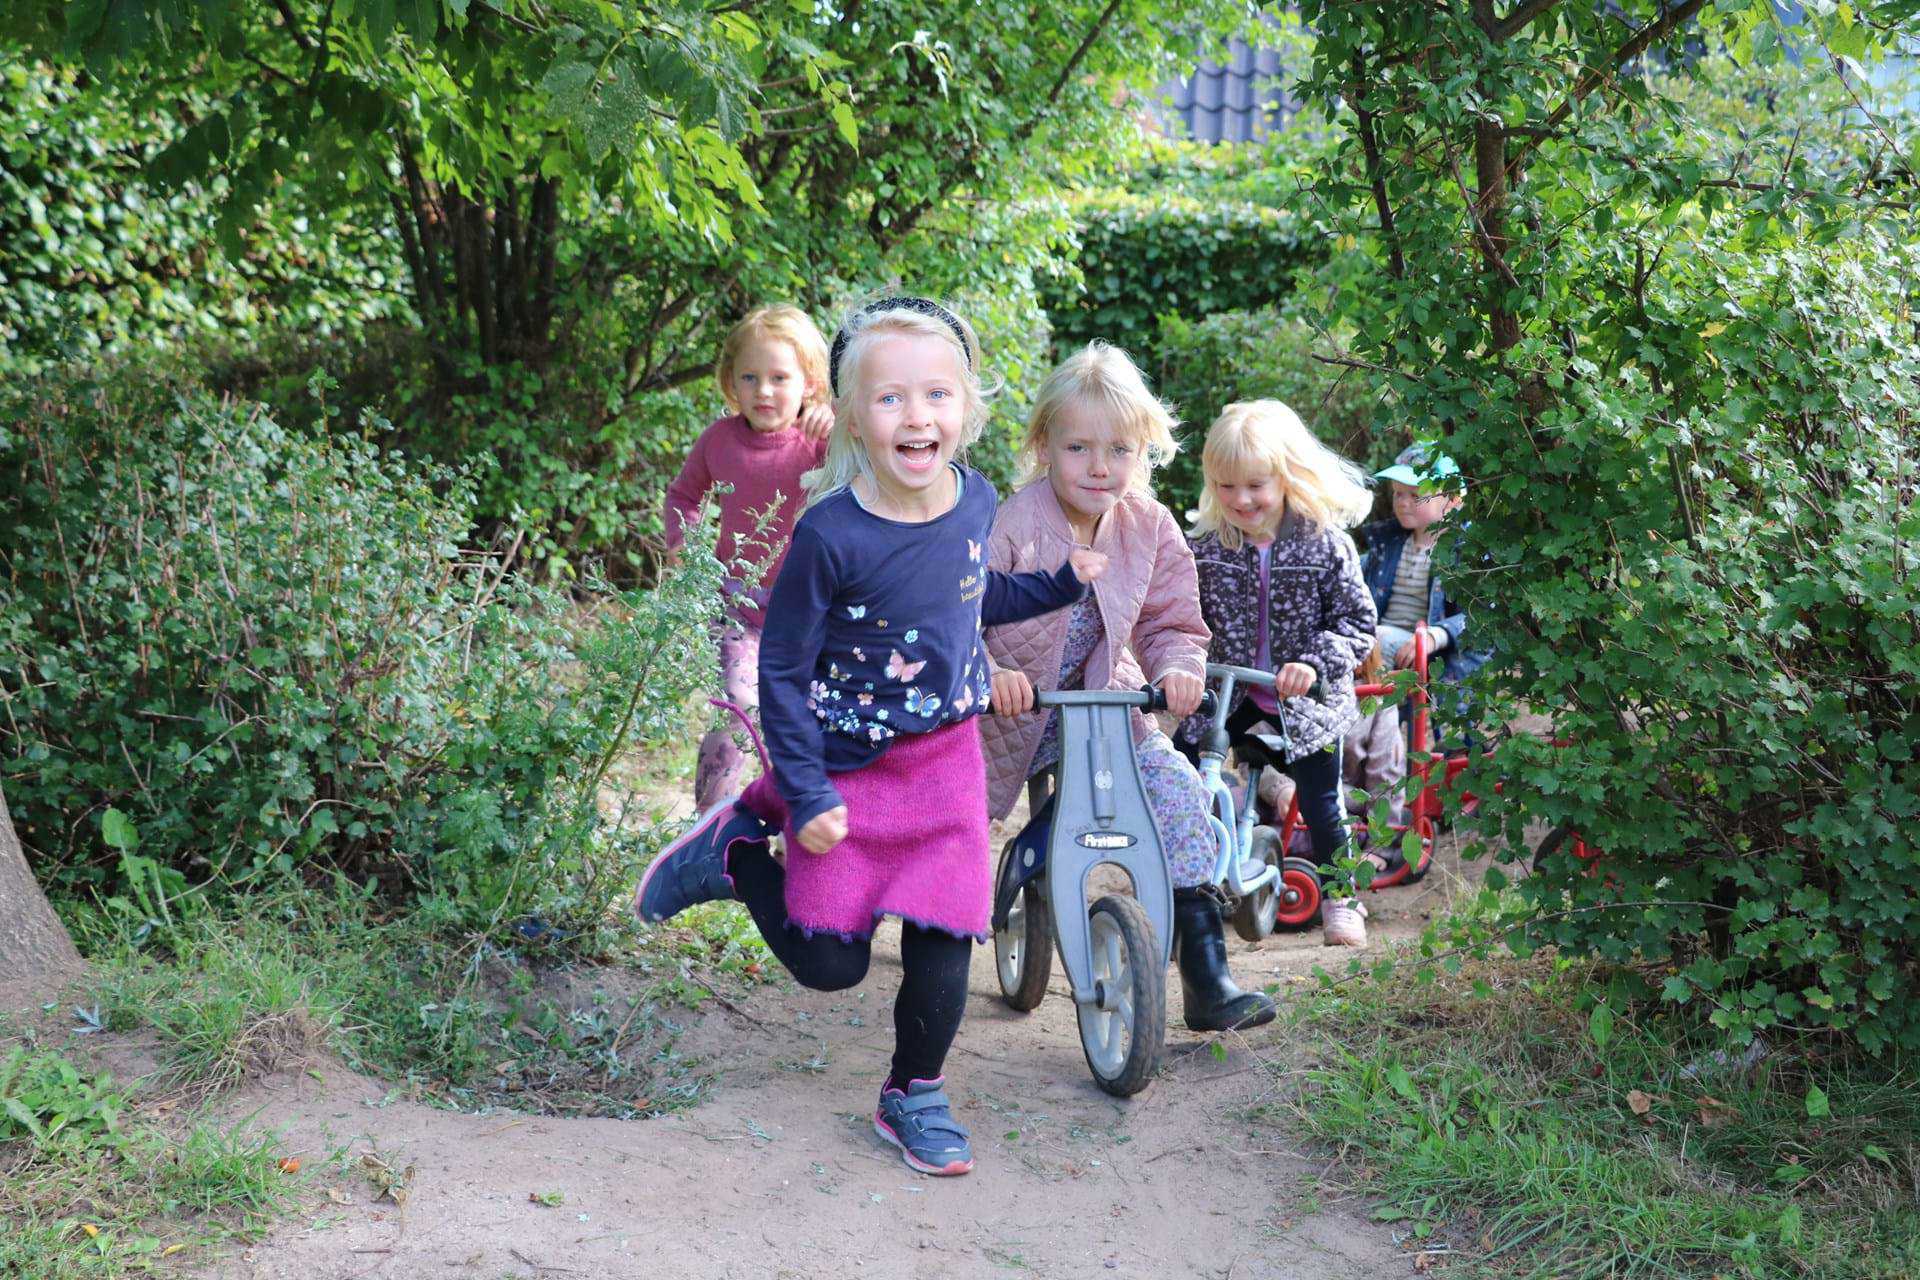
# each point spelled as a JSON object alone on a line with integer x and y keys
{"x": 824, "y": 830}
{"x": 1012, "y": 693}
{"x": 1183, "y": 691}
{"x": 1087, "y": 564}
{"x": 1293, "y": 680}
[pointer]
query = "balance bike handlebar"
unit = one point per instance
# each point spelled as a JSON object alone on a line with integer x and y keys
{"x": 1149, "y": 698}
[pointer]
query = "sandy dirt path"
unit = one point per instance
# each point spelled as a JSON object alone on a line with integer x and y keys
{"x": 777, "y": 1172}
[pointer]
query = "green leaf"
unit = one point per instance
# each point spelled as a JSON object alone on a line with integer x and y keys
{"x": 1402, "y": 1083}
{"x": 1817, "y": 1105}
{"x": 1600, "y": 1025}
{"x": 117, "y": 829}
{"x": 843, "y": 121}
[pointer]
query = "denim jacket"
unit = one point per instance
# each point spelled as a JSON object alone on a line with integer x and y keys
{"x": 1385, "y": 540}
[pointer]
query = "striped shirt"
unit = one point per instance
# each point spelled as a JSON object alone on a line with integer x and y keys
{"x": 1407, "y": 606}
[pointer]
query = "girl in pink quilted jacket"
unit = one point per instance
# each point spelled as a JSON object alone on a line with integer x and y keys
{"x": 1281, "y": 591}
{"x": 1095, "y": 436}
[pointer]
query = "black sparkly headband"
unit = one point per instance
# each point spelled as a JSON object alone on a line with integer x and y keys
{"x": 919, "y": 306}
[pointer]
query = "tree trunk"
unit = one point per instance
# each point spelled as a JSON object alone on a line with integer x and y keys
{"x": 33, "y": 942}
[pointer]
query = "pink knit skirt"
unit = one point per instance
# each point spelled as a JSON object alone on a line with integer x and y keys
{"x": 916, "y": 843}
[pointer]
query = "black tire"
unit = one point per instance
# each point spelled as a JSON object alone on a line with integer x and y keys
{"x": 1253, "y": 918}
{"x": 1023, "y": 951}
{"x": 1123, "y": 1044}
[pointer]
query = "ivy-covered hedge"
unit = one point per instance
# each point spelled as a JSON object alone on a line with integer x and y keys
{"x": 96, "y": 254}
{"x": 231, "y": 651}
{"x": 1143, "y": 256}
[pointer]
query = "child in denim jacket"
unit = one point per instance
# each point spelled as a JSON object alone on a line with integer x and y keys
{"x": 1398, "y": 567}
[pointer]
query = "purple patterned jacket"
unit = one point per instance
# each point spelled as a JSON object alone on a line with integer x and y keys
{"x": 1319, "y": 612}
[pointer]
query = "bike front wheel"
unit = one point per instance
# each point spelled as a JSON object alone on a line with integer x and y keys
{"x": 1123, "y": 1032}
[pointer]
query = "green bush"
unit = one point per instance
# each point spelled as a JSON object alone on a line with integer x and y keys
{"x": 1718, "y": 579}
{"x": 1201, "y": 366}
{"x": 230, "y": 650}
{"x": 1145, "y": 256}
{"x": 96, "y": 254}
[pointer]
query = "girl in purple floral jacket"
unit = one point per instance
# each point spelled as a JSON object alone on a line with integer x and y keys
{"x": 1281, "y": 590}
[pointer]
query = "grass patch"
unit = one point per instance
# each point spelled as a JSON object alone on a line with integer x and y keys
{"x": 100, "y": 1179}
{"x": 1519, "y": 1121}
{"x": 89, "y": 1186}
{"x": 454, "y": 1019}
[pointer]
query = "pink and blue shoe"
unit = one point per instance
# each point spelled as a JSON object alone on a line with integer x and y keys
{"x": 920, "y": 1122}
{"x": 693, "y": 868}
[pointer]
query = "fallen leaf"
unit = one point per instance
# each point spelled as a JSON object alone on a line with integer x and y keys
{"x": 1639, "y": 1103}
{"x": 171, "y": 1249}
{"x": 1423, "y": 1262}
{"x": 290, "y": 1165}
{"x": 1714, "y": 1113}
{"x": 338, "y": 1196}
{"x": 92, "y": 1231}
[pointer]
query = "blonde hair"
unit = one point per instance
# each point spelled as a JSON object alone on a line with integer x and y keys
{"x": 1105, "y": 377}
{"x": 846, "y": 458}
{"x": 779, "y": 323}
{"x": 1265, "y": 438}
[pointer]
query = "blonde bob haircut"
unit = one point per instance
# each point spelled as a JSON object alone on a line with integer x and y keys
{"x": 778, "y": 323}
{"x": 1258, "y": 438}
{"x": 1104, "y": 378}
{"x": 846, "y": 458}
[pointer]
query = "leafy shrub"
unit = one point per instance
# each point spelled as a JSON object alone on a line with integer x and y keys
{"x": 1201, "y": 366}
{"x": 1718, "y": 579}
{"x": 269, "y": 650}
{"x": 96, "y": 254}
{"x": 1145, "y": 256}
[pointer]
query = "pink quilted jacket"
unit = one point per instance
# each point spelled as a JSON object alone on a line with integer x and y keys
{"x": 1149, "y": 595}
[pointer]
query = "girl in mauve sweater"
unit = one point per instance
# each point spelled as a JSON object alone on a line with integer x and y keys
{"x": 773, "y": 373}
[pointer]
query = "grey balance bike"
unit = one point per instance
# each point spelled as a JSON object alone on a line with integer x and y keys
{"x": 1115, "y": 952}
{"x": 1251, "y": 869}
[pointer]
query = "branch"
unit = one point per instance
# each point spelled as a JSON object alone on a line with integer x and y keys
{"x": 1636, "y": 44}
{"x": 293, "y": 28}
{"x": 1086, "y": 43}
{"x": 1376, "y": 176}
{"x": 1489, "y": 247}
{"x": 1516, "y": 22}
{"x": 1802, "y": 193}
{"x": 679, "y": 377}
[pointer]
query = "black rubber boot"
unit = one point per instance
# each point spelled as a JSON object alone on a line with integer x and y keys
{"x": 1213, "y": 1001}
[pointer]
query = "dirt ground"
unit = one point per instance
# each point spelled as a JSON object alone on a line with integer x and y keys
{"x": 777, "y": 1171}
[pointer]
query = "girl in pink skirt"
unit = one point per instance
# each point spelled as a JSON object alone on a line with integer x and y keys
{"x": 872, "y": 671}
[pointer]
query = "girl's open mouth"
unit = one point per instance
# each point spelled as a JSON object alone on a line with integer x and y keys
{"x": 921, "y": 454}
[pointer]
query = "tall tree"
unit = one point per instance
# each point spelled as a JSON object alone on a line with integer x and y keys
{"x": 33, "y": 942}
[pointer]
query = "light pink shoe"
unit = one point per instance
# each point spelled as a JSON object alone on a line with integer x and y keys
{"x": 1344, "y": 922}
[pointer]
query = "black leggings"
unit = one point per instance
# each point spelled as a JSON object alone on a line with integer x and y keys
{"x": 1316, "y": 781}
{"x": 933, "y": 983}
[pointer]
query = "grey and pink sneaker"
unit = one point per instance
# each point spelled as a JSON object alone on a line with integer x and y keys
{"x": 920, "y": 1122}
{"x": 693, "y": 868}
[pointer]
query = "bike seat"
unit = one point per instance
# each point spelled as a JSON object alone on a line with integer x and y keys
{"x": 1262, "y": 749}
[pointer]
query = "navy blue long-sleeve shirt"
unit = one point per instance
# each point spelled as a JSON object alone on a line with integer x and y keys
{"x": 873, "y": 630}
